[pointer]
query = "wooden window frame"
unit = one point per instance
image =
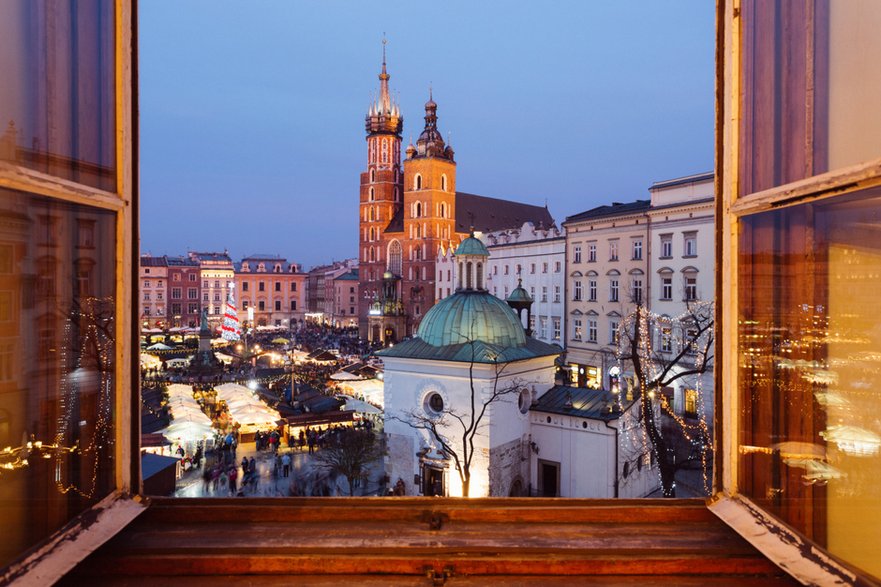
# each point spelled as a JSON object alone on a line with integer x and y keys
{"x": 49, "y": 561}
{"x": 794, "y": 553}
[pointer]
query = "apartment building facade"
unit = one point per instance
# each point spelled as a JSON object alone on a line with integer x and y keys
{"x": 273, "y": 287}
{"x": 184, "y": 292}
{"x": 606, "y": 277}
{"x": 153, "y": 275}
{"x": 216, "y": 272}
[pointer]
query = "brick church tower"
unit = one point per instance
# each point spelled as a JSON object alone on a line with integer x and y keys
{"x": 429, "y": 214}
{"x": 381, "y": 194}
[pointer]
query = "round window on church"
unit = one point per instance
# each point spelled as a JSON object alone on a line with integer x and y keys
{"x": 524, "y": 401}
{"x": 434, "y": 403}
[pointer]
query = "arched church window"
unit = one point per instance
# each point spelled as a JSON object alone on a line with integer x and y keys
{"x": 480, "y": 276}
{"x": 372, "y": 195}
{"x": 469, "y": 278}
{"x": 443, "y": 208}
{"x": 395, "y": 257}
{"x": 460, "y": 275}
{"x": 417, "y": 209}
{"x": 372, "y": 255}
{"x": 372, "y": 176}
{"x": 444, "y": 182}
{"x": 385, "y": 150}
{"x": 417, "y": 182}
{"x": 371, "y": 214}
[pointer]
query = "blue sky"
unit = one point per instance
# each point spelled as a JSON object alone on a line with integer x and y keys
{"x": 252, "y": 113}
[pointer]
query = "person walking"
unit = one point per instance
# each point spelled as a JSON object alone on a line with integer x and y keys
{"x": 286, "y": 464}
{"x": 232, "y": 475}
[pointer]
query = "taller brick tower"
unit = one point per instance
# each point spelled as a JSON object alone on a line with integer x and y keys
{"x": 382, "y": 191}
{"x": 429, "y": 214}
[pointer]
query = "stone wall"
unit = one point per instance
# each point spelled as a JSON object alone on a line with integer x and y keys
{"x": 508, "y": 465}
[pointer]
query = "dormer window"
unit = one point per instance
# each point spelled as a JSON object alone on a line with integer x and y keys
{"x": 261, "y": 267}
{"x": 277, "y": 268}
{"x": 245, "y": 267}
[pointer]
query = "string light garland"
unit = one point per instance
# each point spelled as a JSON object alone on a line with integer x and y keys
{"x": 691, "y": 338}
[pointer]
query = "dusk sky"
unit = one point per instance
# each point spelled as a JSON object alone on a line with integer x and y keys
{"x": 252, "y": 113}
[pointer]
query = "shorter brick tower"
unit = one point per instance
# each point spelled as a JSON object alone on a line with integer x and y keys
{"x": 429, "y": 214}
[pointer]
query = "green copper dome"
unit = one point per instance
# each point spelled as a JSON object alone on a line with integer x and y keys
{"x": 472, "y": 316}
{"x": 519, "y": 295}
{"x": 472, "y": 246}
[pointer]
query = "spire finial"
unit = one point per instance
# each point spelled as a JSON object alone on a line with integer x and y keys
{"x": 384, "y": 43}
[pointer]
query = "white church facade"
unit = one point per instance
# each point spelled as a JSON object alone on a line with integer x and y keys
{"x": 472, "y": 406}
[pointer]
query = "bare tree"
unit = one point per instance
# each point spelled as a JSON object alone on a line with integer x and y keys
{"x": 465, "y": 422}
{"x": 349, "y": 452}
{"x": 684, "y": 349}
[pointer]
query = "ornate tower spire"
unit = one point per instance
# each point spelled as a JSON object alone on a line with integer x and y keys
{"x": 431, "y": 142}
{"x": 384, "y": 115}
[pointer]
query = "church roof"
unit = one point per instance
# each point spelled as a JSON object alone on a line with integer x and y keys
{"x": 486, "y": 214}
{"x": 581, "y": 402}
{"x": 479, "y": 352}
{"x": 472, "y": 246}
{"x": 472, "y": 315}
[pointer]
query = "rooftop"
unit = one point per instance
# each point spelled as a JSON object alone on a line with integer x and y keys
{"x": 615, "y": 209}
{"x": 580, "y": 402}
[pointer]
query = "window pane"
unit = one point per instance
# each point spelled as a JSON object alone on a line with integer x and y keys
{"x": 57, "y": 98}
{"x": 810, "y": 348}
{"x": 810, "y": 88}
{"x": 57, "y": 390}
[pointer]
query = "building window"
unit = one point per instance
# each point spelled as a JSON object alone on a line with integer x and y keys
{"x": 444, "y": 182}
{"x": 591, "y": 290}
{"x": 261, "y": 305}
{"x": 506, "y": 270}
{"x": 193, "y": 277}
{"x": 691, "y": 401}
{"x": 175, "y": 293}
{"x": 277, "y": 286}
{"x": 637, "y": 249}
{"x": 576, "y": 253}
{"x": 613, "y": 290}
{"x": 532, "y": 268}
{"x": 576, "y": 329}
{"x": 690, "y": 244}
{"x": 637, "y": 290}
{"x": 293, "y": 286}
{"x": 417, "y": 182}
{"x": 690, "y": 288}
{"x": 558, "y": 266}
{"x": 666, "y": 339}
{"x": 532, "y": 324}
{"x": 278, "y": 305}
{"x": 556, "y": 329}
{"x": 577, "y": 294}
{"x": 556, "y": 294}
{"x": 666, "y": 288}
{"x": 244, "y": 286}
{"x": 591, "y": 252}
{"x": 613, "y": 331}
{"x": 666, "y": 246}
{"x": 544, "y": 293}
{"x": 591, "y": 330}
{"x": 544, "y": 267}
{"x": 244, "y": 304}
{"x": 371, "y": 194}
{"x": 613, "y": 250}
{"x": 543, "y": 323}
{"x": 261, "y": 286}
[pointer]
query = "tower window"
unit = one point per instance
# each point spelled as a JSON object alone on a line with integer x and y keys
{"x": 417, "y": 182}
{"x": 372, "y": 177}
{"x": 444, "y": 182}
{"x": 372, "y": 195}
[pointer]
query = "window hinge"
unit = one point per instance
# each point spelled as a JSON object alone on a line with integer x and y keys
{"x": 439, "y": 578}
{"x": 435, "y": 520}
